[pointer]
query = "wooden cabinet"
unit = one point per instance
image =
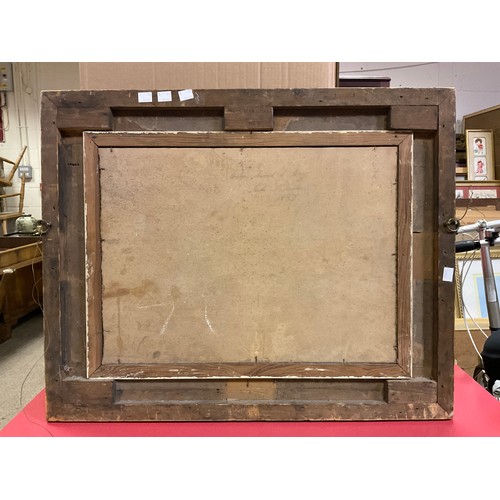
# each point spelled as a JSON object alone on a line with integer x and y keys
{"x": 486, "y": 119}
{"x": 20, "y": 280}
{"x": 478, "y": 200}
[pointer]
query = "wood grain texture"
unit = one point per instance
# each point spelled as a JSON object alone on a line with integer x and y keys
{"x": 242, "y": 370}
{"x": 171, "y": 119}
{"x": 423, "y": 351}
{"x": 76, "y": 120}
{"x": 93, "y": 256}
{"x": 72, "y": 256}
{"x": 283, "y": 98}
{"x": 84, "y": 393}
{"x": 273, "y": 295}
{"x": 71, "y": 396}
{"x": 21, "y": 286}
{"x": 411, "y": 391}
{"x": 245, "y": 139}
{"x": 248, "y": 118}
{"x": 404, "y": 253}
{"x": 19, "y": 253}
{"x": 425, "y": 152}
{"x": 51, "y": 252}
{"x": 10, "y": 242}
{"x": 445, "y": 251}
{"x": 244, "y": 391}
{"x": 221, "y": 411}
{"x": 414, "y": 117}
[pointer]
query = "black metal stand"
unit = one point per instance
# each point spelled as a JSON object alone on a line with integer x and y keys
{"x": 490, "y": 355}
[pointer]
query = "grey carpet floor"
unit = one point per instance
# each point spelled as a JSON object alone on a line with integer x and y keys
{"x": 21, "y": 367}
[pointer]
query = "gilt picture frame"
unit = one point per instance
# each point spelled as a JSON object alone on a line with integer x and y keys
{"x": 480, "y": 156}
{"x": 470, "y": 294}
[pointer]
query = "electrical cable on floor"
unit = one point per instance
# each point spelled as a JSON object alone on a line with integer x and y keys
{"x": 472, "y": 209}
{"x": 466, "y": 267}
{"x": 469, "y": 260}
{"x": 38, "y": 302}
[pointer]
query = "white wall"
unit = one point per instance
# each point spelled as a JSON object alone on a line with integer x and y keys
{"x": 477, "y": 85}
{"x": 21, "y": 117}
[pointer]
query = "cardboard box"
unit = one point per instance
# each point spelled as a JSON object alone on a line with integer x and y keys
{"x": 207, "y": 75}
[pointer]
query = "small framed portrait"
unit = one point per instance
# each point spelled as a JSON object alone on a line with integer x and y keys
{"x": 480, "y": 163}
{"x": 480, "y": 168}
{"x": 479, "y": 146}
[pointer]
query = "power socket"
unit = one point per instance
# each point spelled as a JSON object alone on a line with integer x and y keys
{"x": 26, "y": 170}
{"x": 6, "y": 79}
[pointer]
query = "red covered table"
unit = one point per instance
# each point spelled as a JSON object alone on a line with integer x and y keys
{"x": 476, "y": 413}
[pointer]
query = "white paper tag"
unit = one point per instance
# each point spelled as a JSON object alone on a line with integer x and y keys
{"x": 448, "y": 274}
{"x": 164, "y": 96}
{"x": 185, "y": 95}
{"x": 145, "y": 96}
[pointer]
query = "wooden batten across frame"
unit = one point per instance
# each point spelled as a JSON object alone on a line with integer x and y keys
{"x": 403, "y": 142}
{"x": 249, "y": 255}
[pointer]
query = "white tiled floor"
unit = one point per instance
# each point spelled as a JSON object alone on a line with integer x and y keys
{"x": 21, "y": 367}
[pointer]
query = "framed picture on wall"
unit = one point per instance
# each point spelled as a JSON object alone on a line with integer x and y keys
{"x": 480, "y": 158}
{"x": 470, "y": 293}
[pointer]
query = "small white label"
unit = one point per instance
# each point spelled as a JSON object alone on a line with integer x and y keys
{"x": 483, "y": 193}
{"x": 185, "y": 95}
{"x": 448, "y": 274}
{"x": 145, "y": 96}
{"x": 164, "y": 96}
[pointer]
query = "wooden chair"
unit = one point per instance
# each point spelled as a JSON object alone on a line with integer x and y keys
{"x": 6, "y": 181}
